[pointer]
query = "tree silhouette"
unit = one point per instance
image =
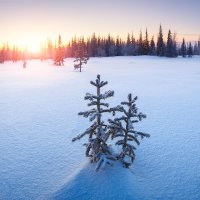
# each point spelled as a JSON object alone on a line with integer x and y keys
{"x": 59, "y": 53}
{"x": 81, "y": 56}
{"x": 183, "y": 49}
{"x": 160, "y": 43}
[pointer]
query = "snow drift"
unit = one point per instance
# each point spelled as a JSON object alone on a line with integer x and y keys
{"x": 109, "y": 183}
{"x": 39, "y": 107}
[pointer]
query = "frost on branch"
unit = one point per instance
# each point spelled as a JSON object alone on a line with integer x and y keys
{"x": 98, "y": 133}
{"x": 122, "y": 128}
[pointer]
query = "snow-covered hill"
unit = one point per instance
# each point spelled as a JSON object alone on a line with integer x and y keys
{"x": 39, "y": 107}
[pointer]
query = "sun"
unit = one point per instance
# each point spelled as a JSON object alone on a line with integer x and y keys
{"x": 34, "y": 48}
{"x": 30, "y": 45}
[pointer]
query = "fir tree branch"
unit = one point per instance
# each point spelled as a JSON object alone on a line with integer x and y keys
{"x": 87, "y": 113}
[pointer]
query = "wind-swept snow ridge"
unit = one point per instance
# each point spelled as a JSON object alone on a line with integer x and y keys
{"x": 112, "y": 184}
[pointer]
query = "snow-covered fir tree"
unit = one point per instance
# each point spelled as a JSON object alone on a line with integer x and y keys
{"x": 81, "y": 56}
{"x": 98, "y": 133}
{"x": 123, "y": 128}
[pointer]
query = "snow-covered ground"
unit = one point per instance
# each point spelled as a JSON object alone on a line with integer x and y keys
{"x": 39, "y": 106}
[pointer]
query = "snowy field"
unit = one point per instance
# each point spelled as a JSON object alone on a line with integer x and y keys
{"x": 39, "y": 106}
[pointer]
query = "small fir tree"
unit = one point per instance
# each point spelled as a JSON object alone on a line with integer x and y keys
{"x": 81, "y": 56}
{"x": 122, "y": 127}
{"x": 96, "y": 148}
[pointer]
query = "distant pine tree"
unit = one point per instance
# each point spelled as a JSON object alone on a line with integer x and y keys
{"x": 175, "y": 52}
{"x": 59, "y": 53}
{"x": 74, "y": 46}
{"x": 92, "y": 48}
{"x": 81, "y": 56}
{"x": 170, "y": 45}
{"x": 118, "y": 50}
{"x": 146, "y": 44}
{"x": 49, "y": 49}
{"x": 152, "y": 48}
{"x": 128, "y": 46}
{"x": 2, "y": 55}
{"x": 134, "y": 45}
{"x": 122, "y": 127}
{"x": 108, "y": 46}
{"x": 190, "y": 50}
{"x": 196, "y": 50}
{"x": 101, "y": 47}
{"x": 183, "y": 49}
{"x": 15, "y": 54}
{"x": 140, "y": 45}
{"x": 160, "y": 43}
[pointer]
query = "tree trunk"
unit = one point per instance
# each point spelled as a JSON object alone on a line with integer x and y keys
{"x": 80, "y": 65}
{"x": 98, "y": 106}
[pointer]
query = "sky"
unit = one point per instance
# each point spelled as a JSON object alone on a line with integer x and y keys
{"x": 36, "y": 20}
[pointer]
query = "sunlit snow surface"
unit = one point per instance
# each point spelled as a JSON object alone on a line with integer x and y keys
{"x": 38, "y": 109}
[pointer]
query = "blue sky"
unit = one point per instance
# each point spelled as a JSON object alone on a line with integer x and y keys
{"x": 39, "y": 19}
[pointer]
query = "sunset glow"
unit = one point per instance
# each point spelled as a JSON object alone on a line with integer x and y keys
{"x": 28, "y": 25}
{"x": 30, "y": 45}
{"x": 39, "y": 20}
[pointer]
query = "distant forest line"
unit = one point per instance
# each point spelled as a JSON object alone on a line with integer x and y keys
{"x": 97, "y": 46}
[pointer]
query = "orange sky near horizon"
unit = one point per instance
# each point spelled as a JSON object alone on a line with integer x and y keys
{"x": 28, "y": 23}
